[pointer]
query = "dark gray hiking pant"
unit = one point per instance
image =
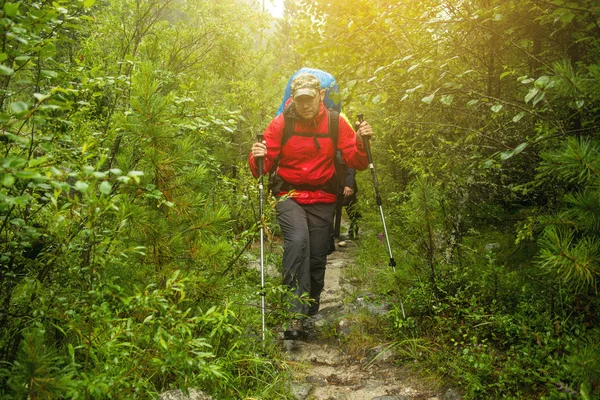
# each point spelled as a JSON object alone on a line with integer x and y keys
{"x": 306, "y": 230}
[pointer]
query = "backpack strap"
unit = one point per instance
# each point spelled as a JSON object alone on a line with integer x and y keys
{"x": 334, "y": 126}
{"x": 276, "y": 183}
{"x": 288, "y": 132}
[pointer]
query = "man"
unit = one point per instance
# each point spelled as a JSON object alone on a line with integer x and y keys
{"x": 346, "y": 198}
{"x": 305, "y": 176}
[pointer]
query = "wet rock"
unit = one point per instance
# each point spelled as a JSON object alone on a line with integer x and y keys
{"x": 300, "y": 391}
{"x": 347, "y": 288}
{"x": 452, "y": 394}
{"x": 316, "y": 380}
{"x": 178, "y": 394}
{"x": 373, "y": 305}
{"x": 381, "y": 354}
{"x": 343, "y": 327}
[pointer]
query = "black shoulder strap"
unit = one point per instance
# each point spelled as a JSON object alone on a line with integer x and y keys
{"x": 334, "y": 124}
{"x": 289, "y": 125}
{"x": 288, "y": 130}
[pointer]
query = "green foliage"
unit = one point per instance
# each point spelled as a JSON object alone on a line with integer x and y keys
{"x": 122, "y": 138}
{"x": 485, "y": 116}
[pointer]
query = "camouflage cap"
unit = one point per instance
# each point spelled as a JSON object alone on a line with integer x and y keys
{"x": 305, "y": 84}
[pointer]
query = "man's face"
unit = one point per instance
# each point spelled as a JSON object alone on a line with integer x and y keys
{"x": 307, "y": 107}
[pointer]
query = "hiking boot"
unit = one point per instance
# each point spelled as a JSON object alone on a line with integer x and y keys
{"x": 295, "y": 331}
{"x": 331, "y": 248}
{"x": 313, "y": 309}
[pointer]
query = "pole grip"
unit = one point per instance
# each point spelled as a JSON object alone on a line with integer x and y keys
{"x": 260, "y": 160}
{"x": 365, "y": 140}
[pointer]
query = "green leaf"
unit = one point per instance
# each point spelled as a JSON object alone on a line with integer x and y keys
{"x": 508, "y": 154}
{"x": 8, "y": 180}
{"x": 13, "y": 162}
{"x": 81, "y": 186}
{"x": 11, "y": 9}
{"x": 542, "y": 81}
{"x": 135, "y": 175}
{"x": 34, "y": 162}
{"x": 447, "y": 99}
{"x": 538, "y": 98}
{"x": 487, "y": 164}
{"x": 497, "y": 107}
{"x": 4, "y": 70}
{"x": 48, "y": 50}
{"x": 412, "y": 67}
{"x": 472, "y": 103}
{"x": 21, "y": 200}
{"x": 520, "y": 148}
{"x": 18, "y": 107}
{"x": 414, "y": 89}
{"x": 532, "y": 93}
{"x": 518, "y": 117}
{"x": 27, "y": 174}
{"x": 41, "y": 97}
{"x": 428, "y": 99}
{"x": 48, "y": 74}
{"x": 88, "y": 3}
{"x": 105, "y": 187}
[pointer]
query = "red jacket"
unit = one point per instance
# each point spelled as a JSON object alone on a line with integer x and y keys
{"x": 302, "y": 163}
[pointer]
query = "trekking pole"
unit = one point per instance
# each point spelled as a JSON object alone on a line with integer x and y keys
{"x": 379, "y": 203}
{"x": 376, "y": 186}
{"x": 260, "y": 164}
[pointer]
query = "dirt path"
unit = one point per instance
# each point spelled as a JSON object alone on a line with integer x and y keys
{"x": 326, "y": 367}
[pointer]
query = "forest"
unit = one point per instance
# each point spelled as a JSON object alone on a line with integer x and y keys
{"x": 129, "y": 216}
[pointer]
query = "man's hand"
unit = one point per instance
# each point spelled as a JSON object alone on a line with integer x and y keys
{"x": 259, "y": 149}
{"x": 348, "y": 191}
{"x": 364, "y": 130}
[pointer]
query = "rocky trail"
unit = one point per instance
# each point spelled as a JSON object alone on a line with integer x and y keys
{"x": 326, "y": 367}
{"x": 332, "y": 364}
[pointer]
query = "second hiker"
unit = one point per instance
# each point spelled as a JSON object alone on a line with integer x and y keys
{"x": 302, "y": 162}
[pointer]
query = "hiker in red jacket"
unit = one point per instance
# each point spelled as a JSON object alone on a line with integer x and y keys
{"x": 303, "y": 169}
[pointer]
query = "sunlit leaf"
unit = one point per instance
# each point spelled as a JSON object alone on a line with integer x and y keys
{"x": 428, "y": 99}
{"x": 518, "y": 117}
{"x": 105, "y": 187}
{"x": 412, "y": 67}
{"x": 4, "y": 70}
{"x": 81, "y": 186}
{"x": 539, "y": 97}
{"x": 11, "y": 9}
{"x": 510, "y": 153}
{"x": 19, "y": 107}
{"x": 532, "y": 93}
{"x": 8, "y": 180}
{"x": 447, "y": 99}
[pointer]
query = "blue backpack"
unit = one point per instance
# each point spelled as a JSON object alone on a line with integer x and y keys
{"x": 327, "y": 82}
